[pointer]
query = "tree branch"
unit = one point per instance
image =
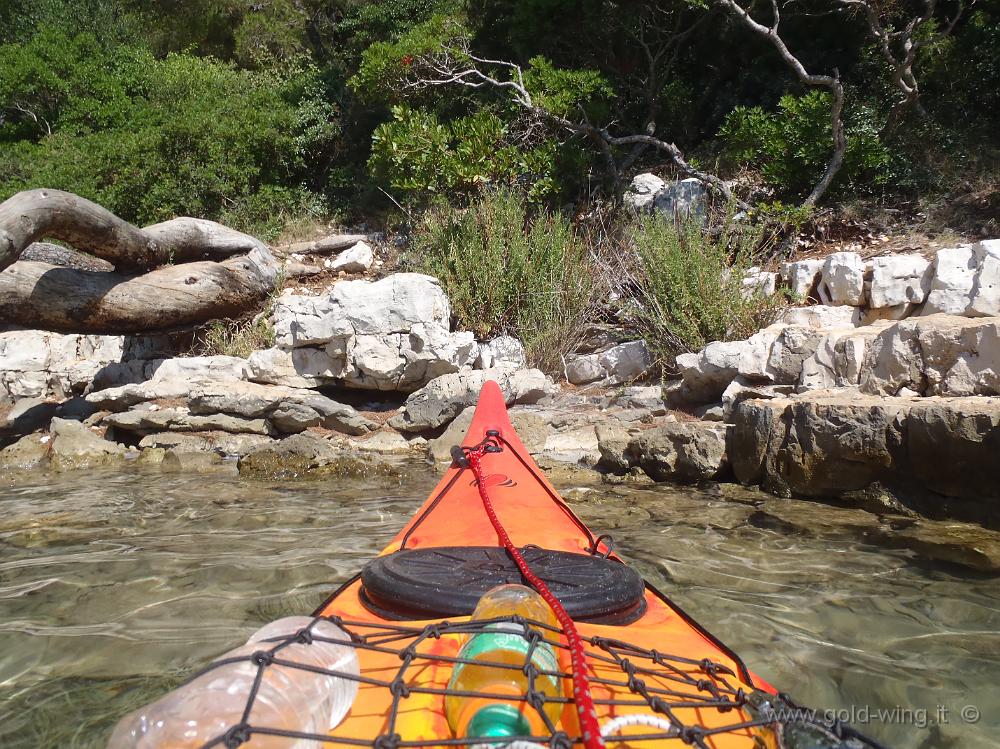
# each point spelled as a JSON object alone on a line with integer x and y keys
{"x": 830, "y": 82}
{"x": 450, "y": 69}
{"x": 81, "y": 300}
{"x": 902, "y": 65}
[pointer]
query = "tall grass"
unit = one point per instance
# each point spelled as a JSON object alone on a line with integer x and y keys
{"x": 689, "y": 282}
{"x": 510, "y": 270}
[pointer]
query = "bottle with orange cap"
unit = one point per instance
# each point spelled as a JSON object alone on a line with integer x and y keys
{"x": 484, "y": 656}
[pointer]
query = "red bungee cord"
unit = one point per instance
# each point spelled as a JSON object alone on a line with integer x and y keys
{"x": 589, "y": 727}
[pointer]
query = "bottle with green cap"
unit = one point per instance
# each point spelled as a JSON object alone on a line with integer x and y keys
{"x": 504, "y": 643}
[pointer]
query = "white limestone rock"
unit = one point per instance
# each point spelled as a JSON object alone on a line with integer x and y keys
{"x": 357, "y": 259}
{"x": 706, "y": 374}
{"x": 76, "y": 446}
{"x": 842, "y": 280}
{"x": 741, "y": 389}
{"x": 626, "y": 361}
{"x": 938, "y": 355}
{"x": 775, "y": 354}
{"x": 791, "y": 348}
{"x": 622, "y": 363}
{"x": 391, "y": 334}
{"x": 760, "y": 283}
{"x": 202, "y": 369}
{"x": 504, "y": 352}
{"x": 952, "y": 282}
{"x": 179, "y": 419}
{"x": 300, "y": 367}
{"x": 650, "y": 193}
{"x": 308, "y": 321}
{"x": 802, "y": 276}
{"x": 574, "y": 445}
{"x": 584, "y": 369}
{"x": 755, "y": 358}
{"x": 38, "y": 364}
{"x": 985, "y": 301}
{"x": 822, "y": 316}
{"x": 680, "y": 198}
{"x": 900, "y": 280}
{"x": 393, "y": 304}
{"x": 643, "y": 190}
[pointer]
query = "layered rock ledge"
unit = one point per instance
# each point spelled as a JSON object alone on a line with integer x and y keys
{"x": 934, "y": 455}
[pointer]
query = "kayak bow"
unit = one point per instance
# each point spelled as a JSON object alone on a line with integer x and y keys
{"x": 449, "y": 553}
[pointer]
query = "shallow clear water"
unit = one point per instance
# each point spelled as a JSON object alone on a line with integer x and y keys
{"x": 113, "y": 586}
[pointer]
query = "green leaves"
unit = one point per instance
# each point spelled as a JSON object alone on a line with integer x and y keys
{"x": 691, "y": 282}
{"x": 509, "y": 269}
{"x": 563, "y": 92}
{"x": 419, "y": 153}
{"x": 792, "y": 146}
{"x": 386, "y": 66}
{"x": 152, "y": 138}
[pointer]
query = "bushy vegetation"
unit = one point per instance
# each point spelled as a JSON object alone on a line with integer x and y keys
{"x": 152, "y": 138}
{"x": 689, "y": 282}
{"x": 510, "y": 269}
{"x": 791, "y": 145}
{"x": 233, "y": 337}
{"x": 244, "y": 110}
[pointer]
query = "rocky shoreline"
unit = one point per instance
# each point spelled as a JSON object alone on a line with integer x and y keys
{"x": 885, "y": 395}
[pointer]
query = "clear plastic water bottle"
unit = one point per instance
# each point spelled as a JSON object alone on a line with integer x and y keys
{"x": 504, "y": 642}
{"x": 288, "y": 698}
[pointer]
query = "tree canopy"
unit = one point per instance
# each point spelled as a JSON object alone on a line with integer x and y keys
{"x": 253, "y": 112}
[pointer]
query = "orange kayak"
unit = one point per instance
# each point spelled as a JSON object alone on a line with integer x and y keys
{"x": 651, "y": 657}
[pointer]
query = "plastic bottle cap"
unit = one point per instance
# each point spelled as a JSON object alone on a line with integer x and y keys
{"x": 498, "y": 720}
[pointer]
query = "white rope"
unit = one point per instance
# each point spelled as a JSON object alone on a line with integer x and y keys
{"x": 616, "y": 724}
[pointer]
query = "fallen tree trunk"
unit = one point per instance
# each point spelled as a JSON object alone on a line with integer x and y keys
{"x": 36, "y": 214}
{"x": 78, "y": 300}
{"x": 68, "y": 300}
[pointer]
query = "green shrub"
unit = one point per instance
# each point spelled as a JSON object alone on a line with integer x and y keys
{"x": 792, "y": 146}
{"x": 418, "y": 153}
{"x": 690, "y": 283}
{"x": 152, "y": 138}
{"x": 510, "y": 271}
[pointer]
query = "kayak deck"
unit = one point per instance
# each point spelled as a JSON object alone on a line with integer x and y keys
{"x": 662, "y": 664}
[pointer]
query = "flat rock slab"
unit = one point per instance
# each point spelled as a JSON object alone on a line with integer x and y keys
{"x": 179, "y": 420}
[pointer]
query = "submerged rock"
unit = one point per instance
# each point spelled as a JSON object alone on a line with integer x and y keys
{"x": 307, "y": 455}
{"x": 190, "y": 462}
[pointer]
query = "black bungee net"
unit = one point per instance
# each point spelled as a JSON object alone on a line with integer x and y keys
{"x": 666, "y": 685}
